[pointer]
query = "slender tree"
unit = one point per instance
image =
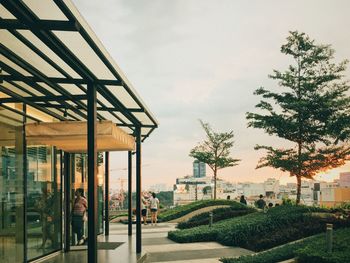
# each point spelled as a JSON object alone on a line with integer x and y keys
{"x": 312, "y": 111}
{"x": 215, "y": 150}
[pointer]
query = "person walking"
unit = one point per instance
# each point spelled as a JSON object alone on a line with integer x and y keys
{"x": 79, "y": 215}
{"x": 154, "y": 205}
{"x": 242, "y": 200}
{"x": 260, "y": 203}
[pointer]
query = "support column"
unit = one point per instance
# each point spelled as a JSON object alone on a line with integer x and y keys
{"x": 25, "y": 187}
{"x": 107, "y": 193}
{"x": 92, "y": 173}
{"x": 129, "y": 193}
{"x": 138, "y": 191}
{"x": 67, "y": 211}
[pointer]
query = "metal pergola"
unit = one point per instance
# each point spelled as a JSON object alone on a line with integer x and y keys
{"x": 51, "y": 61}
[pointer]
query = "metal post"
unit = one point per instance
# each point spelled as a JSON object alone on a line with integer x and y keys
{"x": 25, "y": 187}
{"x": 67, "y": 212}
{"x": 138, "y": 190}
{"x": 329, "y": 238}
{"x": 210, "y": 219}
{"x": 129, "y": 193}
{"x": 107, "y": 193}
{"x": 92, "y": 173}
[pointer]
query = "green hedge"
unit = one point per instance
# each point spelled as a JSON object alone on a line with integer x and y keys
{"x": 247, "y": 231}
{"x": 180, "y": 211}
{"x": 274, "y": 255}
{"x": 308, "y": 250}
{"x": 308, "y": 226}
{"x": 316, "y": 252}
{"x": 218, "y": 215}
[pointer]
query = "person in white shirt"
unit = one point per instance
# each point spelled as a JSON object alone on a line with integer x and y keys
{"x": 154, "y": 205}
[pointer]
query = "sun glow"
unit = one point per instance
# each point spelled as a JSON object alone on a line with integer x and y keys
{"x": 332, "y": 174}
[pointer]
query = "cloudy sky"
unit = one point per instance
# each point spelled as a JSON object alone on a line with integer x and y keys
{"x": 202, "y": 59}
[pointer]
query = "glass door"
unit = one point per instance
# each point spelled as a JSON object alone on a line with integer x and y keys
{"x": 44, "y": 216}
{"x": 11, "y": 188}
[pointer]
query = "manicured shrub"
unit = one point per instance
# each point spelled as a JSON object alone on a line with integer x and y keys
{"x": 180, "y": 211}
{"x": 245, "y": 231}
{"x": 218, "y": 215}
{"x": 307, "y": 227}
{"x": 273, "y": 255}
{"x": 308, "y": 250}
{"x": 316, "y": 252}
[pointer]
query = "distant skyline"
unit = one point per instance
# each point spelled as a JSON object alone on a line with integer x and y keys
{"x": 203, "y": 59}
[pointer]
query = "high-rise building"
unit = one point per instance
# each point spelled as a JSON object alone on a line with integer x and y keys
{"x": 199, "y": 169}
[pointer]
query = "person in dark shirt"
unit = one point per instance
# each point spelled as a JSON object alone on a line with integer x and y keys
{"x": 243, "y": 200}
{"x": 261, "y": 202}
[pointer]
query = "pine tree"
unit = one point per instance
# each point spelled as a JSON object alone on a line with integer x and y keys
{"x": 312, "y": 111}
{"x": 215, "y": 151}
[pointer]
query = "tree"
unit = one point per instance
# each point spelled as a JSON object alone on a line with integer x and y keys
{"x": 81, "y": 157}
{"x": 215, "y": 150}
{"x": 312, "y": 111}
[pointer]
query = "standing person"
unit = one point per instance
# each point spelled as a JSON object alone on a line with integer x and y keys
{"x": 260, "y": 203}
{"x": 45, "y": 207}
{"x": 78, "y": 215}
{"x": 154, "y": 205}
{"x": 144, "y": 205}
{"x": 243, "y": 200}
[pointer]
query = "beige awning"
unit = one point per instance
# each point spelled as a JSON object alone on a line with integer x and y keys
{"x": 71, "y": 136}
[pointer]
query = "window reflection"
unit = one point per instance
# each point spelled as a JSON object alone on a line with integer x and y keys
{"x": 11, "y": 188}
{"x": 43, "y": 202}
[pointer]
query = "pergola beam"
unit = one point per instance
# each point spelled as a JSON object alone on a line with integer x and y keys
{"x": 55, "y": 25}
{"x": 44, "y": 99}
{"x": 103, "y": 108}
{"x": 61, "y": 80}
{"x": 56, "y": 45}
{"x": 97, "y": 50}
{"x": 21, "y": 99}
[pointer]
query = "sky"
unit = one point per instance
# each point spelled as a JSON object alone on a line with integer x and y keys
{"x": 203, "y": 59}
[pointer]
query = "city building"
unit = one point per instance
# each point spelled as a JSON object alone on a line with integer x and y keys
{"x": 190, "y": 188}
{"x": 159, "y": 188}
{"x": 199, "y": 169}
{"x": 63, "y": 99}
{"x": 344, "y": 179}
{"x": 334, "y": 196}
{"x": 271, "y": 187}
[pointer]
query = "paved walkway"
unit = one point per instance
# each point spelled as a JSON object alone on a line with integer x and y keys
{"x": 156, "y": 247}
{"x": 161, "y": 249}
{"x": 197, "y": 212}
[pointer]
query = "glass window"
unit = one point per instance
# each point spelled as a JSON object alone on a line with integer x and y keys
{"x": 79, "y": 230}
{"x": 44, "y": 215}
{"x": 11, "y": 188}
{"x": 79, "y": 184}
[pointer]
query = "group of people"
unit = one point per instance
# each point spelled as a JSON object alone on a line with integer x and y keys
{"x": 260, "y": 203}
{"x": 151, "y": 202}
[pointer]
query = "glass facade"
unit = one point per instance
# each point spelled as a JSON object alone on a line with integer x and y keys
{"x": 11, "y": 188}
{"x": 44, "y": 217}
{"x": 79, "y": 181}
{"x": 31, "y": 193}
